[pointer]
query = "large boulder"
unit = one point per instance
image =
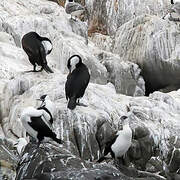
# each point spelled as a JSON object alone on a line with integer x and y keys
{"x": 52, "y": 161}
{"x": 50, "y": 20}
{"x": 153, "y": 44}
{"x": 154, "y": 120}
{"x": 106, "y": 16}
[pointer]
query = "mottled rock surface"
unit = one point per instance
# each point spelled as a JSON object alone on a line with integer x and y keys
{"x": 106, "y": 16}
{"x": 119, "y": 56}
{"x": 53, "y": 161}
{"x": 153, "y": 44}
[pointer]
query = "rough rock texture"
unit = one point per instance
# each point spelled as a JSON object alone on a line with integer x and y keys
{"x": 82, "y": 127}
{"x": 49, "y": 19}
{"x": 149, "y": 42}
{"x": 55, "y": 162}
{"x": 153, "y": 44}
{"x": 106, "y": 16}
{"x": 125, "y": 76}
{"x": 8, "y": 159}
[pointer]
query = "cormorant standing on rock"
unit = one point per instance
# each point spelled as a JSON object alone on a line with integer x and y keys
{"x": 37, "y": 47}
{"x": 119, "y": 143}
{"x": 37, "y": 122}
{"x": 77, "y": 80}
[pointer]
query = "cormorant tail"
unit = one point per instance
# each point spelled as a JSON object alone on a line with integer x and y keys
{"x": 47, "y": 68}
{"x": 57, "y": 140}
{"x": 72, "y": 103}
{"x": 101, "y": 159}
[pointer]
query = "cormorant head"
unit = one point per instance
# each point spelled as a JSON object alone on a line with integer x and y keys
{"x": 74, "y": 62}
{"x": 123, "y": 121}
{"x": 46, "y": 102}
{"x": 43, "y": 97}
{"x": 47, "y": 44}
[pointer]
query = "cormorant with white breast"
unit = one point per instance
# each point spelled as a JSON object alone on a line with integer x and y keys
{"x": 37, "y": 122}
{"x": 119, "y": 143}
{"x": 73, "y": 8}
{"x": 77, "y": 80}
{"x": 37, "y": 48}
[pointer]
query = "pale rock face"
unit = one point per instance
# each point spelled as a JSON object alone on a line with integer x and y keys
{"x": 125, "y": 76}
{"x": 50, "y": 20}
{"x": 153, "y": 44}
{"x": 111, "y": 14}
{"x": 102, "y": 41}
{"x": 148, "y": 41}
{"x": 6, "y": 38}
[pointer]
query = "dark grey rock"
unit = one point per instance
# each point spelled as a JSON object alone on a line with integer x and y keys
{"x": 52, "y": 161}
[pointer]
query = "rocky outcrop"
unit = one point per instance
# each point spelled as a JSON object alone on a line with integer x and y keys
{"x": 154, "y": 120}
{"x": 49, "y": 19}
{"x": 145, "y": 43}
{"x": 8, "y": 160}
{"x": 152, "y": 43}
{"x": 54, "y": 161}
{"x": 106, "y": 16}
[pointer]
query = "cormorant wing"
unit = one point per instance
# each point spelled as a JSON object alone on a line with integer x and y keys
{"x": 109, "y": 143}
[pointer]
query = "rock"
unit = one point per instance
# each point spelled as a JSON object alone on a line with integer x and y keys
{"x": 60, "y": 163}
{"x": 152, "y": 43}
{"x": 106, "y": 16}
{"x": 125, "y": 76}
{"x": 45, "y": 18}
{"x": 6, "y": 38}
{"x": 172, "y": 167}
{"x": 142, "y": 148}
{"x": 8, "y": 159}
{"x": 104, "y": 42}
{"x": 113, "y": 65}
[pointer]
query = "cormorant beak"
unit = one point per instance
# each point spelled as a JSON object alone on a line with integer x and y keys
{"x": 15, "y": 144}
{"x": 40, "y": 100}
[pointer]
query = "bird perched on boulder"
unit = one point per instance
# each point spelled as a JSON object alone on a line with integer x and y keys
{"x": 73, "y": 8}
{"x": 37, "y": 48}
{"x": 77, "y": 81}
{"x": 37, "y": 122}
{"x": 119, "y": 143}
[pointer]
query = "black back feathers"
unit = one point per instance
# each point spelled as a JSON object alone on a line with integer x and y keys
{"x": 37, "y": 47}
{"x": 43, "y": 129}
{"x": 107, "y": 148}
{"x": 77, "y": 80}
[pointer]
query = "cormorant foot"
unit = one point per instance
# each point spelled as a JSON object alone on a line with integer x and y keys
{"x": 81, "y": 104}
